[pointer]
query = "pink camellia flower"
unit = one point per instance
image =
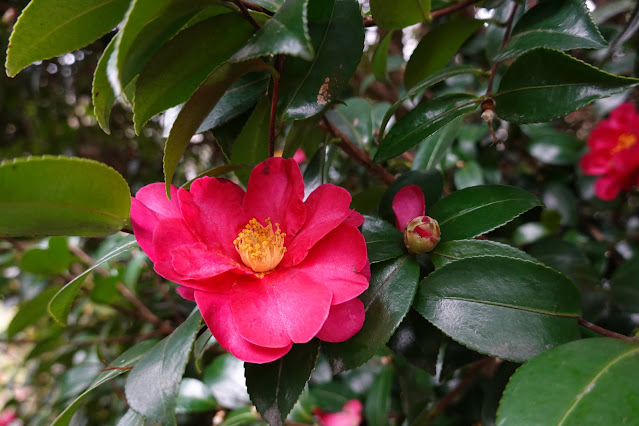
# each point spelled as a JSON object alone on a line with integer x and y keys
{"x": 266, "y": 268}
{"x": 614, "y": 152}
{"x": 421, "y": 233}
{"x": 350, "y": 415}
{"x": 8, "y": 416}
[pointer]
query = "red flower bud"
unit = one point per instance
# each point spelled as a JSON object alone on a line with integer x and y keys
{"x": 421, "y": 234}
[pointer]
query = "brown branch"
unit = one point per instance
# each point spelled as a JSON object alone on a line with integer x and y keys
{"x": 276, "y": 90}
{"x": 246, "y": 13}
{"x": 163, "y": 326}
{"x": 450, "y": 9}
{"x": 357, "y": 154}
{"x": 256, "y": 8}
{"x": 604, "y": 332}
{"x": 493, "y": 68}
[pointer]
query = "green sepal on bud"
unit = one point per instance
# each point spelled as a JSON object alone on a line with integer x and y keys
{"x": 421, "y": 234}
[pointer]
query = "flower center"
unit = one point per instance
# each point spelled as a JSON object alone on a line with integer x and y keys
{"x": 260, "y": 248}
{"x": 625, "y": 141}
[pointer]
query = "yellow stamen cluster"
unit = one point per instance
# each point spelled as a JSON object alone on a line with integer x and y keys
{"x": 625, "y": 141}
{"x": 260, "y": 248}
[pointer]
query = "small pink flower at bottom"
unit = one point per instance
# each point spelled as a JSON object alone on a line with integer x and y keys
{"x": 421, "y": 233}
{"x": 350, "y": 415}
{"x": 8, "y": 416}
{"x": 266, "y": 268}
{"x": 614, "y": 152}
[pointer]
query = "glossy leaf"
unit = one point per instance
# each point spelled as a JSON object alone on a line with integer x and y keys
{"x": 535, "y": 306}
{"x": 569, "y": 259}
{"x": 45, "y": 29}
{"x": 380, "y": 58}
{"x": 194, "y": 396}
{"x": 271, "y": 5}
{"x": 337, "y": 35}
{"x": 590, "y": 381}
{"x": 60, "y": 304}
{"x": 354, "y": 119}
{"x": 383, "y": 240}
{"x": 378, "y": 398}
{"x": 131, "y": 418}
{"x": 119, "y": 366}
{"x": 551, "y": 147}
{"x": 30, "y": 311}
{"x": 276, "y": 386}
{"x": 198, "y": 108}
{"x": 542, "y": 74}
{"x": 148, "y": 25}
{"x": 285, "y": 33}
{"x": 101, "y": 91}
{"x": 430, "y": 181}
{"x": 470, "y": 174}
{"x": 399, "y": 14}
{"x": 628, "y": 31}
{"x": 432, "y": 79}
{"x": 251, "y": 146}
{"x": 434, "y": 148}
{"x": 422, "y": 122}
{"x": 44, "y": 196}
{"x": 448, "y": 37}
{"x": 242, "y": 417}
{"x": 561, "y": 25}
{"x": 153, "y": 384}
{"x": 625, "y": 289}
{"x": 474, "y": 211}
{"x": 178, "y": 68}
{"x": 451, "y": 251}
{"x": 418, "y": 341}
{"x": 387, "y": 300}
{"x": 225, "y": 379}
{"x": 54, "y": 260}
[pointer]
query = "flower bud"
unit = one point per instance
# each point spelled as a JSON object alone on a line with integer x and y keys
{"x": 421, "y": 234}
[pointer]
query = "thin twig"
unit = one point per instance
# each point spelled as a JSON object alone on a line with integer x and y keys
{"x": 357, "y": 154}
{"x": 256, "y": 8}
{"x": 493, "y": 68}
{"x": 276, "y": 90}
{"x": 451, "y": 9}
{"x": 144, "y": 311}
{"x": 604, "y": 332}
{"x": 246, "y": 13}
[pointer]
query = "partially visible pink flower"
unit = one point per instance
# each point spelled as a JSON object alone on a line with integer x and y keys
{"x": 350, "y": 415}
{"x": 300, "y": 156}
{"x": 266, "y": 268}
{"x": 421, "y": 233}
{"x": 7, "y": 417}
{"x": 614, "y": 152}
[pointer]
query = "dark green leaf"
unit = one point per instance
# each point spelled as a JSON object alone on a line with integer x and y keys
{"x": 153, "y": 384}
{"x": 561, "y": 199}
{"x": 589, "y": 381}
{"x": 529, "y": 233}
{"x": 470, "y": 174}
{"x": 387, "y": 300}
{"x": 448, "y": 38}
{"x": 120, "y": 365}
{"x": 451, "y": 251}
{"x": 399, "y": 14}
{"x": 418, "y": 341}
{"x": 30, "y": 311}
{"x": 422, "y": 122}
{"x": 45, "y": 29}
{"x": 177, "y": 69}
{"x": 270, "y": 5}
{"x": 561, "y": 25}
{"x": 302, "y": 132}
{"x": 285, "y": 33}
{"x": 504, "y": 307}
{"x": 378, "y": 398}
{"x": 275, "y": 387}
{"x": 432, "y": 79}
{"x": 315, "y": 172}
{"x": 552, "y": 147}
{"x": 383, "y": 240}
{"x": 53, "y": 260}
{"x": 566, "y": 257}
{"x": 629, "y": 29}
{"x": 544, "y": 84}
{"x": 102, "y": 93}
{"x": 430, "y": 181}
{"x": 380, "y": 58}
{"x": 225, "y": 379}
{"x": 251, "y": 146}
{"x": 366, "y": 201}
{"x": 60, "y": 304}
{"x": 242, "y": 416}
{"x": 625, "y": 286}
{"x": 474, "y": 211}
{"x": 434, "y": 148}
{"x": 43, "y": 196}
{"x": 337, "y": 35}
{"x": 194, "y": 396}
{"x": 354, "y": 120}
{"x": 148, "y": 26}
{"x": 198, "y": 108}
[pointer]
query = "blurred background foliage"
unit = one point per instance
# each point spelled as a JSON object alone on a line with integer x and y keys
{"x": 46, "y": 109}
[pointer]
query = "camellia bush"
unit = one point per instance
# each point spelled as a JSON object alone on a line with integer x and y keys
{"x": 323, "y": 212}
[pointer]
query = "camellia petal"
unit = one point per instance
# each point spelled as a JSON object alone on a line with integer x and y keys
{"x": 169, "y": 234}
{"x": 283, "y": 306}
{"x": 408, "y": 204}
{"x": 276, "y": 190}
{"x": 343, "y": 322}
{"x": 213, "y": 211}
{"x": 216, "y": 311}
{"x": 186, "y": 292}
{"x": 326, "y": 208}
{"x": 337, "y": 261}
{"x": 197, "y": 262}
{"x": 154, "y": 197}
